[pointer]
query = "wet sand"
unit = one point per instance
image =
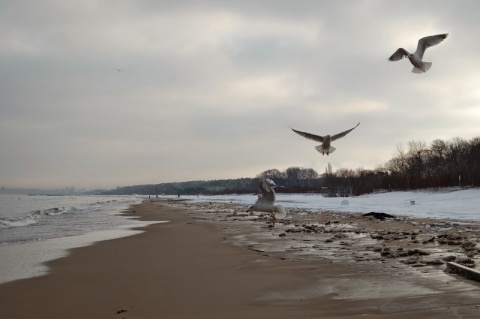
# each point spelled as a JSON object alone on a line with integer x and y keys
{"x": 217, "y": 261}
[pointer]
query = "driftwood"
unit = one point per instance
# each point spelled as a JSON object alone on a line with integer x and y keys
{"x": 463, "y": 270}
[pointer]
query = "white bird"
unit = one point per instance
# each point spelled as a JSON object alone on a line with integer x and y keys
{"x": 419, "y": 66}
{"x": 266, "y": 202}
{"x": 325, "y": 147}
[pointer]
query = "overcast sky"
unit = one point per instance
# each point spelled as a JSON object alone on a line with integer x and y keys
{"x": 208, "y": 89}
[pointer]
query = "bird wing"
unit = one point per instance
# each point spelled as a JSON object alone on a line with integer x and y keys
{"x": 313, "y": 137}
{"x": 398, "y": 55}
{"x": 426, "y": 42}
{"x": 271, "y": 182}
{"x": 268, "y": 194}
{"x": 340, "y": 135}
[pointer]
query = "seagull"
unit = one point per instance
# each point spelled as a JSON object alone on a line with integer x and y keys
{"x": 325, "y": 147}
{"x": 266, "y": 202}
{"x": 416, "y": 58}
{"x": 120, "y": 70}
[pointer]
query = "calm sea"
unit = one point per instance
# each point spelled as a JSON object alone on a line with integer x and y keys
{"x": 36, "y": 229}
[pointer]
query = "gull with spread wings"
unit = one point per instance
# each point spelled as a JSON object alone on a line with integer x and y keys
{"x": 419, "y": 66}
{"x": 325, "y": 147}
{"x": 266, "y": 201}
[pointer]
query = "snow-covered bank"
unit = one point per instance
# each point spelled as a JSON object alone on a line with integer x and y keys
{"x": 455, "y": 204}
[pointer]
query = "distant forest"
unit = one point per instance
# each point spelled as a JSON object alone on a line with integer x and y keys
{"x": 454, "y": 163}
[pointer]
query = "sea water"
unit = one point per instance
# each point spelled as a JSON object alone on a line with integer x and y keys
{"x": 36, "y": 229}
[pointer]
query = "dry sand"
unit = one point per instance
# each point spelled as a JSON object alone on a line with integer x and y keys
{"x": 217, "y": 261}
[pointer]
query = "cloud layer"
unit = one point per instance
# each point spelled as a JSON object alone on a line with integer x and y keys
{"x": 208, "y": 90}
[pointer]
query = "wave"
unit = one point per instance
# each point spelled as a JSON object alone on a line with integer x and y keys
{"x": 32, "y": 218}
{"x": 39, "y": 216}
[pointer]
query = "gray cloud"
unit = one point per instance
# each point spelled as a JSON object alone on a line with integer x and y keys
{"x": 210, "y": 88}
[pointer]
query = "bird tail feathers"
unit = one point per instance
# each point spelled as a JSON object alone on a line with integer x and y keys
{"x": 425, "y": 67}
{"x": 320, "y": 149}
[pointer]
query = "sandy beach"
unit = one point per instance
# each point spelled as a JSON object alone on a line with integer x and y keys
{"x": 215, "y": 260}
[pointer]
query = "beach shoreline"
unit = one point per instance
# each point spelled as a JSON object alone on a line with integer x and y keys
{"x": 214, "y": 260}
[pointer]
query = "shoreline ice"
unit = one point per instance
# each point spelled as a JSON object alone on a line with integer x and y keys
{"x": 452, "y": 204}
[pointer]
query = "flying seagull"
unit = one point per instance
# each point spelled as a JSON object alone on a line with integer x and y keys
{"x": 325, "y": 147}
{"x": 416, "y": 58}
{"x": 266, "y": 201}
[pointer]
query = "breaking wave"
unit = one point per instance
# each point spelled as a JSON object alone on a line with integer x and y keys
{"x": 33, "y": 218}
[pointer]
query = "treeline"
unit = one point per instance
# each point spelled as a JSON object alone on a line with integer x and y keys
{"x": 213, "y": 187}
{"x": 454, "y": 163}
{"x": 443, "y": 164}
{"x": 294, "y": 179}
